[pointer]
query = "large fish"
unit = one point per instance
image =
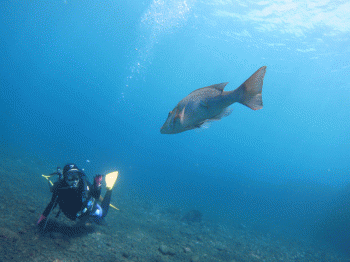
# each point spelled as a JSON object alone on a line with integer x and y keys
{"x": 211, "y": 103}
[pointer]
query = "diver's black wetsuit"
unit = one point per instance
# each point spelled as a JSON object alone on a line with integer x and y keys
{"x": 80, "y": 202}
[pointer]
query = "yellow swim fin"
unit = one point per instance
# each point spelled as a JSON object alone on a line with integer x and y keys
{"x": 114, "y": 207}
{"x": 101, "y": 199}
{"x": 110, "y": 179}
{"x": 47, "y": 177}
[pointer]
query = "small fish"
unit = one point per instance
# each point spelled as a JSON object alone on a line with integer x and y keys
{"x": 211, "y": 103}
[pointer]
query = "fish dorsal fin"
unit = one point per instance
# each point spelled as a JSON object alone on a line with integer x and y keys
{"x": 219, "y": 87}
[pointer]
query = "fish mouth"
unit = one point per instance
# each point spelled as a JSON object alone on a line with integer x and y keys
{"x": 166, "y": 131}
{"x": 162, "y": 130}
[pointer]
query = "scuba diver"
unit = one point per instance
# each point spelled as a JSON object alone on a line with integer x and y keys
{"x": 77, "y": 198}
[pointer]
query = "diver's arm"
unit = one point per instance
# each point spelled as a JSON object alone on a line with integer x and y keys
{"x": 48, "y": 209}
{"x": 96, "y": 187}
{"x": 95, "y": 193}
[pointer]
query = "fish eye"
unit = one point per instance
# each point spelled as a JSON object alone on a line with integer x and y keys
{"x": 169, "y": 113}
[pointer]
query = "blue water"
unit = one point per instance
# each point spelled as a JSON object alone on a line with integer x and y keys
{"x": 95, "y": 80}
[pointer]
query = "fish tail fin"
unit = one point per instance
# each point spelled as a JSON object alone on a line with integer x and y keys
{"x": 250, "y": 90}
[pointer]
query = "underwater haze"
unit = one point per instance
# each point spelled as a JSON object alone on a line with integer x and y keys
{"x": 92, "y": 82}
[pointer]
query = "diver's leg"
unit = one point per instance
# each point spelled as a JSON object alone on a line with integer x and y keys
{"x": 110, "y": 181}
{"x": 105, "y": 203}
{"x": 50, "y": 186}
{"x": 53, "y": 186}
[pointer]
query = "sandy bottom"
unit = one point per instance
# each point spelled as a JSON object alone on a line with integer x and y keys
{"x": 139, "y": 231}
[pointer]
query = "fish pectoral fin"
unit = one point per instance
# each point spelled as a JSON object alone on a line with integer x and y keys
{"x": 204, "y": 125}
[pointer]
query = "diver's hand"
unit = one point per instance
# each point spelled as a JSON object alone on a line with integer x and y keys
{"x": 98, "y": 181}
{"x": 41, "y": 219}
{"x": 86, "y": 208}
{"x": 41, "y": 223}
